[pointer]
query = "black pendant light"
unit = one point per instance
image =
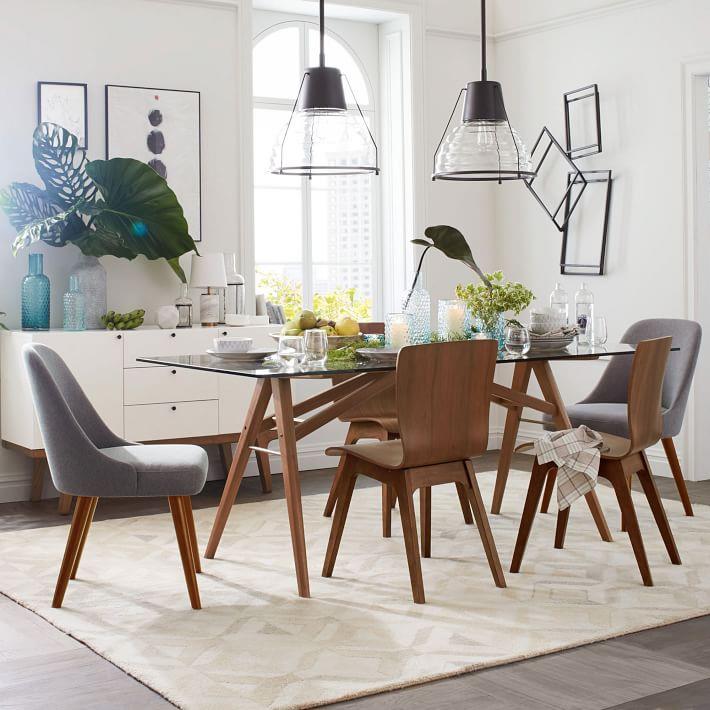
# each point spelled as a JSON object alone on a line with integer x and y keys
{"x": 323, "y": 136}
{"x": 483, "y": 146}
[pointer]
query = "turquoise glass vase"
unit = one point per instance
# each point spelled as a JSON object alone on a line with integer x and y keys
{"x": 74, "y": 306}
{"x": 494, "y": 330}
{"x": 35, "y": 296}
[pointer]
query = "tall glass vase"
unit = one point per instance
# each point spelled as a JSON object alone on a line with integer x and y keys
{"x": 92, "y": 277}
{"x": 416, "y": 303}
{"x": 35, "y": 296}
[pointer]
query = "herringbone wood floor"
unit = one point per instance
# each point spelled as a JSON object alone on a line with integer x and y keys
{"x": 39, "y": 665}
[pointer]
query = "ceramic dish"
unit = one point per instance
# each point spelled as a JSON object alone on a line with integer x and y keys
{"x": 254, "y": 355}
{"x": 549, "y": 344}
{"x": 232, "y": 344}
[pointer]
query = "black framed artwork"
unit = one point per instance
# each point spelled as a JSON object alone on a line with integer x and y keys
{"x": 65, "y": 104}
{"x": 583, "y": 122}
{"x": 160, "y": 127}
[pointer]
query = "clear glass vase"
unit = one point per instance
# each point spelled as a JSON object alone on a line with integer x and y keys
{"x": 74, "y": 304}
{"x": 416, "y": 303}
{"x": 92, "y": 277}
{"x": 35, "y": 296}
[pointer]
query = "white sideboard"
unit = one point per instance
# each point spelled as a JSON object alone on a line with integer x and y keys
{"x": 139, "y": 401}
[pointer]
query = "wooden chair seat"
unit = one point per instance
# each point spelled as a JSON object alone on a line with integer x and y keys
{"x": 388, "y": 454}
{"x": 389, "y": 423}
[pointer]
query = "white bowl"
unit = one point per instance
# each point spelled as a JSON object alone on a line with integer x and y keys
{"x": 232, "y": 344}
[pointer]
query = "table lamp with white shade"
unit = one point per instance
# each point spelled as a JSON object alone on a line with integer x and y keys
{"x": 208, "y": 272}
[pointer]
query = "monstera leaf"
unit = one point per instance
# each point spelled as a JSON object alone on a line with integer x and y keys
{"x": 454, "y": 245}
{"x": 34, "y": 216}
{"x": 138, "y": 210}
{"x": 61, "y": 164}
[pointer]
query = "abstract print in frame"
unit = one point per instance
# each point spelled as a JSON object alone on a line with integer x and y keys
{"x": 160, "y": 127}
{"x": 64, "y": 103}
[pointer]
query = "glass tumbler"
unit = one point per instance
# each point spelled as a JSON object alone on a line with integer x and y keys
{"x": 596, "y": 330}
{"x": 316, "y": 344}
{"x": 517, "y": 340}
{"x": 291, "y": 350}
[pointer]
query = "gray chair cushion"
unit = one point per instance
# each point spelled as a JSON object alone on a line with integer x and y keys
{"x": 163, "y": 469}
{"x": 607, "y": 417}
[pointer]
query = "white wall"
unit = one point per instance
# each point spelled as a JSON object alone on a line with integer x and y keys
{"x": 635, "y": 54}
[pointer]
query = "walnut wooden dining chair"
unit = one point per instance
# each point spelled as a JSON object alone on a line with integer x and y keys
{"x": 87, "y": 460}
{"x": 376, "y": 418}
{"x": 443, "y": 402}
{"x": 621, "y": 458}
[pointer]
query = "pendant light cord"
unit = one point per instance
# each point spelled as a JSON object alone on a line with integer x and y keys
{"x": 484, "y": 71}
{"x": 322, "y": 33}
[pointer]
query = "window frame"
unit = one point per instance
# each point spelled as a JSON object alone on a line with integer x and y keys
{"x": 371, "y": 113}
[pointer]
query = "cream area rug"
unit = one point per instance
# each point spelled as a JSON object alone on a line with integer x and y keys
{"x": 256, "y": 644}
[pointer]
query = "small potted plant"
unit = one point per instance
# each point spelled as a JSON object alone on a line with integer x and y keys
{"x": 489, "y": 302}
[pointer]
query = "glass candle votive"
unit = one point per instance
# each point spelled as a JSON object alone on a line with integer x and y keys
{"x": 397, "y": 330}
{"x": 452, "y": 319}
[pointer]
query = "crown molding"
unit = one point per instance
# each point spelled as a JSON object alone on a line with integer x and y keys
{"x": 454, "y": 34}
{"x": 574, "y": 18}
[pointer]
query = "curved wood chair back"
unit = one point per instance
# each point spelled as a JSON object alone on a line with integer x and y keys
{"x": 645, "y": 392}
{"x": 380, "y": 406}
{"x": 443, "y": 400}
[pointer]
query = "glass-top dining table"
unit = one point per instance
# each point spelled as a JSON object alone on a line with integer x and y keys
{"x": 366, "y": 379}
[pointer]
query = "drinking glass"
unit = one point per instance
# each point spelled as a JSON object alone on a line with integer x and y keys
{"x": 291, "y": 350}
{"x": 596, "y": 330}
{"x": 517, "y": 340}
{"x": 316, "y": 344}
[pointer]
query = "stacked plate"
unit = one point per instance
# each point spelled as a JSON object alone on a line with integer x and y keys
{"x": 247, "y": 357}
{"x": 549, "y": 344}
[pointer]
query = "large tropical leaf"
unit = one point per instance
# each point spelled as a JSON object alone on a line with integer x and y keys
{"x": 139, "y": 209}
{"x": 454, "y": 245}
{"x": 26, "y": 204}
{"x": 61, "y": 164}
{"x": 46, "y": 229}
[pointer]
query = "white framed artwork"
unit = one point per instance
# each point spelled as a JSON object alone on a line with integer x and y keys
{"x": 66, "y": 105}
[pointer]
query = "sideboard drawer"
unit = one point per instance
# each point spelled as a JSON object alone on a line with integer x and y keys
{"x": 181, "y": 341}
{"x": 176, "y": 420}
{"x": 154, "y": 385}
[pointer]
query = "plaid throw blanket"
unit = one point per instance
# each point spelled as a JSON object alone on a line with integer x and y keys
{"x": 576, "y": 453}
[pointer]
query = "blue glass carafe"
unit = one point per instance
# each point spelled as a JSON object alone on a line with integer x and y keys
{"x": 35, "y": 296}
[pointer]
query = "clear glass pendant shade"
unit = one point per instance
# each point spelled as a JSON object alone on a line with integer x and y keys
{"x": 482, "y": 150}
{"x": 324, "y": 142}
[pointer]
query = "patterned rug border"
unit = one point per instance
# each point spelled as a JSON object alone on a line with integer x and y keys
{"x": 387, "y": 687}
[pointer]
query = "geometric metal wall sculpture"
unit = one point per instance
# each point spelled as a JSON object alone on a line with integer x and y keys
{"x": 544, "y": 144}
{"x": 591, "y": 181}
{"x": 580, "y": 146}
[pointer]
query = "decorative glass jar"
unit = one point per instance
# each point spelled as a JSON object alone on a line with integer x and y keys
{"x": 453, "y": 322}
{"x": 74, "y": 305}
{"x": 184, "y": 307}
{"x": 92, "y": 277}
{"x": 35, "y": 296}
{"x": 398, "y": 329}
{"x": 417, "y": 304}
{"x": 495, "y": 330}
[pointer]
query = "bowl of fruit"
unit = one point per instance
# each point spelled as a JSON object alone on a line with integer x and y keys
{"x": 344, "y": 331}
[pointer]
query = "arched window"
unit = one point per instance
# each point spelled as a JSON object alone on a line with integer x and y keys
{"x": 318, "y": 237}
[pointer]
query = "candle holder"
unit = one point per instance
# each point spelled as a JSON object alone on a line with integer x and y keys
{"x": 453, "y": 319}
{"x": 398, "y": 330}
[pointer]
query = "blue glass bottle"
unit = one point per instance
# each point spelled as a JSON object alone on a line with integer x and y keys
{"x": 74, "y": 306}
{"x": 35, "y": 296}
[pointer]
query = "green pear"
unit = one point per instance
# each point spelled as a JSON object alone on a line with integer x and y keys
{"x": 308, "y": 320}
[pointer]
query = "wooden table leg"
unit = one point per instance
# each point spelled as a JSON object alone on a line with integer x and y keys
{"x": 521, "y": 378}
{"x": 252, "y": 426}
{"x": 285, "y": 426}
{"x": 263, "y": 463}
{"x": 550, "y": 391}
{"x": 64, "y": 505}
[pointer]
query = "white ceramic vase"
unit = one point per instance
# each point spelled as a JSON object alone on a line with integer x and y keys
{"x": 168, "y": 317}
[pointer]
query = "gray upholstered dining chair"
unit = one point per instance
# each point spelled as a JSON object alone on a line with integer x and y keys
{"x": 605, "y": 408}
{"x": 87, "y": 460}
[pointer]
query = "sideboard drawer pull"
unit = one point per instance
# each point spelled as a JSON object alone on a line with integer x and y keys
{"x": 174, "y": 372}
{"x": 172, "y": 335}
{"x": 174, "y": 408}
